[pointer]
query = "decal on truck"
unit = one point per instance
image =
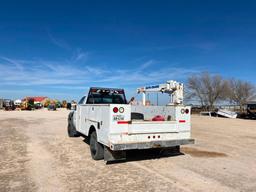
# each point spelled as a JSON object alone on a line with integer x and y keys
{"x": 118, "y": 117}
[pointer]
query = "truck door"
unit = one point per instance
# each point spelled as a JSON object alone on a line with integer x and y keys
{"x": 80, "y": 112}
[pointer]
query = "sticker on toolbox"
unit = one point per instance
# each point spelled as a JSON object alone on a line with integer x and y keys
{"x": 118, "y": 117}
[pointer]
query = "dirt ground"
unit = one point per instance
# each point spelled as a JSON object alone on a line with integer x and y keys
{"x": 37, "y": 155}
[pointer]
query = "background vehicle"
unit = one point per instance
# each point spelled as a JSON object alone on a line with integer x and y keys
{"x": 38, "y": 106}
{"x": 1, "y": 103}
{"x": 27, "y": 104}
{"x": 113, "y": 126}
{"x": 17, "y": 103}
{"x": 8, "y": 105}
{"x": 52, "y": 106}
{"x": 68, "y": 106}
{"x": 251, "y": 110}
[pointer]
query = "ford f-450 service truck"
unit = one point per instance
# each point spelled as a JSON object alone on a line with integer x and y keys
{"x": 113, "y": 126}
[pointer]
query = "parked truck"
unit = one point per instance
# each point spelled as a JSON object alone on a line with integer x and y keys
{"x": 8, "y": 105}
{"x": 113, "y": 126}
{"x": 1, "y": 103}
{"x": 250, "y": 110}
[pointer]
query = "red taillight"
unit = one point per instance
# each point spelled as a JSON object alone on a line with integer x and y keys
{"x": 182, "y": 121}
{"x": 115, "y": 109}
{"x": 187, "y": 111}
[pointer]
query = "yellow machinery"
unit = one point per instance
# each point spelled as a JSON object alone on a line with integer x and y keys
{"x": 27, "y": 104}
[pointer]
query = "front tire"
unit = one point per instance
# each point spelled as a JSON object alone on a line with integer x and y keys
{"x": 97, "y": 150}
{"x": 71, "y": 128}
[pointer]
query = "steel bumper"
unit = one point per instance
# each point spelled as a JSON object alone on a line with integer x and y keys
{"x": 151, "y": 144}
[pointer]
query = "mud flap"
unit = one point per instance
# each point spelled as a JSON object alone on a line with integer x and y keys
{"x": 110, "y": 155}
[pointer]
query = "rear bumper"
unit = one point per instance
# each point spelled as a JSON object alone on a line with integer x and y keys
{"x": 151, "y": 144}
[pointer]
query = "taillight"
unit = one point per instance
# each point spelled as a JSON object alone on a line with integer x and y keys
{"x": 121, "y": 109}
{"x": 115, "y": 109}
{"x": 187, "y": 111}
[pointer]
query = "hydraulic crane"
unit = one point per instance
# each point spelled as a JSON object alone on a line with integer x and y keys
{"x": 173, "y": 88}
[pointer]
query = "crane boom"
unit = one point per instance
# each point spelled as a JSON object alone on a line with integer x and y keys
{"x": 173, "y": 88}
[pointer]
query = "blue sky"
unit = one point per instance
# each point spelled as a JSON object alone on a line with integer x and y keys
{"x": 59, "y": 49}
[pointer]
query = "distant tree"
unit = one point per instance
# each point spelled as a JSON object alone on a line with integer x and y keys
{"x": 207, "y": 88}
{"x": 240, "y": 92}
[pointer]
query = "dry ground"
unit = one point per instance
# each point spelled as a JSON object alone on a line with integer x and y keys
{"x": 37, "y": 155}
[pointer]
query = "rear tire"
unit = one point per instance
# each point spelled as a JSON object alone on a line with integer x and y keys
{"x": 71, "y": 128}
{"x": 97, "y": 150}
{"x": 177, "y": 149}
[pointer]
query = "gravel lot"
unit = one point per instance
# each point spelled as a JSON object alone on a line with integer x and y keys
{"x": 37, "y": 155}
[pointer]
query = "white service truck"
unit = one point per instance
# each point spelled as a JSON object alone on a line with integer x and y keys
{"x": 113, "y": 126}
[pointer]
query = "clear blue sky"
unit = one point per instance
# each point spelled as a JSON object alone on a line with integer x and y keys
{"x": 60, "y": 48}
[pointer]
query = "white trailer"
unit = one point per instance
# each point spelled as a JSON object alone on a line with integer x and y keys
{"x": 226, "y": 113}
{"x": 113, "y": 126}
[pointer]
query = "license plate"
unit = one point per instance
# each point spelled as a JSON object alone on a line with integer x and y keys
{"x": 118, "y": 117}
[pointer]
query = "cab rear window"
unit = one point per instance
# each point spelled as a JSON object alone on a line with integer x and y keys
{"x": 106, "y": 96}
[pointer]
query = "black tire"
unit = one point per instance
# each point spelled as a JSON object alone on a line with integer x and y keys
{"x": 177, "y": 149}
{"x": 97, "y": 150}
{"x": 71, "y": 128}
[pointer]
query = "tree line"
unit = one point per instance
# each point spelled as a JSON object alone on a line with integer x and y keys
{"x": 210, "y": 89}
